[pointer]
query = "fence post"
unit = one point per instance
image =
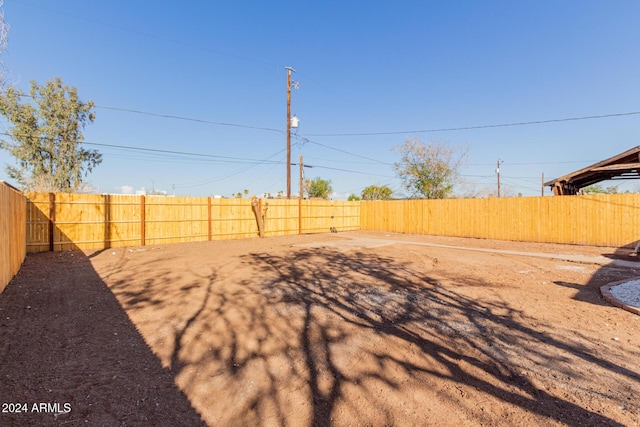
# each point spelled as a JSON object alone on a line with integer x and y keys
{"x": 300, "y": 214}
{"x": 142, "y": 221}
{"x": 209, "y": 216}
{"x": 107, "y": 225}
{"x": 52, "y": 219}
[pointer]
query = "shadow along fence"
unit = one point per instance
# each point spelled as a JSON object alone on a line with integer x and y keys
{"x": 12, "y": 232}
{"x": 599, "y": 220}
{"x": 63, "y": 221}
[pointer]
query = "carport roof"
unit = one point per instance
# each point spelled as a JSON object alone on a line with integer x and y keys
{"x": 622, "y": 166}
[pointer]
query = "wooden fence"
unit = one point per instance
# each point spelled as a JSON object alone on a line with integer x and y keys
{"x": 62, "y": 221}
{"x": 12, "y": 232}
{"x": 600, "y": 220}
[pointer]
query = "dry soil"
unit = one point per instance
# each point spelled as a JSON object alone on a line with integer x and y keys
{"x": 319, "y": 330}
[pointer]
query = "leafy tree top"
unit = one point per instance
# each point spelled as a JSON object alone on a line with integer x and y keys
{"x": 430, "y": 170}
{"x": 600, "y": 189}
{"x": 47, "y": 133}
{"x": 319, "y": 188}
{"x": 377, "y": 192}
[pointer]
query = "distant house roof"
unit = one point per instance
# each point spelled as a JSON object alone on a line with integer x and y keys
{"x": 623, "y": 166}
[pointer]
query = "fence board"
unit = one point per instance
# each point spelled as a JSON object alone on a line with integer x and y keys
{"x": 37, "y": 222}
{"x": 13, "y": 218}
{"x": 90, "y": 221}
{"x": 281, "y": 217}
{"x": 601, "y": 220}
{"x": 175, "y": 219}
{"x": 232, "y": 219}
{"x": 85, "y": 221}
{"x": 320, "y": 216}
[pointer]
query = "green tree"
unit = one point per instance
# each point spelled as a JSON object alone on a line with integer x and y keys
{"x": 320, "y": 188}
{"x": 599, "y": 189}
{"x": 428, "y": 171}
{"x": 47, "y": 136}
{"x": 353, "y": 198}
{"x": 377, "y": 192}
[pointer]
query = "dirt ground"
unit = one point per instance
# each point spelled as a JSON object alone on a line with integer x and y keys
{"x": 318, "y": 330}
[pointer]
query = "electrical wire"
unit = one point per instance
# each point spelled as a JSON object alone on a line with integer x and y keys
{"x": 228, "y": 159}
{"x": 307, "y": 140}
{"x": 229, "y": 175}
{"x": 312, "y": 158}
{"x": 349, "y": 171}
{"x": 303, "y": 139}
{"x": 167, "y": 116}
{"x": 535, "y": 122}
{"x": 280, "y": 162}
{"x": 224, "y": 159}
{"x": 190, "y": 119}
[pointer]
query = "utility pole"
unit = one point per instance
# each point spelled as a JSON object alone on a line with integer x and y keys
{"x": 289, "y": 70}
{"x": 542, "y": 185}
{"x": 498, "y": 172}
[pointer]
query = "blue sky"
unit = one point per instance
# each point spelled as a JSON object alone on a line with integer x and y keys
{"x": 363, "y": 67}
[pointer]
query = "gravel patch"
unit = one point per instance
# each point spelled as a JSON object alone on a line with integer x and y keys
{"x": 628, "y": 293}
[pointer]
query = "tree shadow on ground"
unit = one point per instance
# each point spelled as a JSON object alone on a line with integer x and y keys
{"x": 323, "y": 337}
{"x": 64, "y": 338}
{"x": 613, "y": 272}
{"x": 462, "y": 336}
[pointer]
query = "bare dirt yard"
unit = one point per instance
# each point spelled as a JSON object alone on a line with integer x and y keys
{"x": 351, "y": 329}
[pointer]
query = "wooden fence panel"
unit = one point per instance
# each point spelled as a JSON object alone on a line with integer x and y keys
{"x": 233, "y": 219}
{"x": 602, "y": 220}
{"x": 123, "y": 220}
{"x": 347, "y": 216}
{"x": 175, "y": 219}
{"x": 79, "y": 221}
{"x": 37, "y": 222}
{"x": 87, "y": 221}
{"x": 321, "y": 216}
{"x": 281, "y": 217}
{"x": 13, "y": 218}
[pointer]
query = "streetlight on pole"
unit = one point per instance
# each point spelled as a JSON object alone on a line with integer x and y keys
{"x": 289, "y": 70}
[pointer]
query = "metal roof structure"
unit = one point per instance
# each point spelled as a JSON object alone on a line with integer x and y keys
{"x": 622, "y": 166}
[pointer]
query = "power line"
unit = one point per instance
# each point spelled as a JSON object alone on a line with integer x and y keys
{"x": 340, "y": 161}
{"x": 166, "y": 116}
{"x": 190, "y": 119}
{"x": 534, "y": 163}
{"x": 304, "y": 140}
{"x": 536, "y": 122}
{"x": 349, "y": 171}
{"x": 307, "y": 140}
{"x": 281, "y": 161}
{"x": 225, "y": 159}
{"x": 229, "y": 159}
{"x": 476, "y": 176}
{"x": 229, "y": 175}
